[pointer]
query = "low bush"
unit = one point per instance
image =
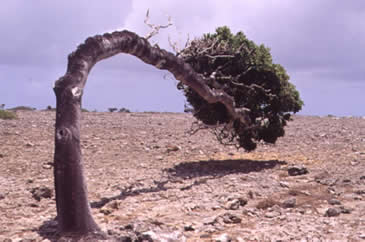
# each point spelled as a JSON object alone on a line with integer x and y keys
{"x": 4, "y": 114}
{"x": 124, "y": 110}
{"x": 22, "y": 108}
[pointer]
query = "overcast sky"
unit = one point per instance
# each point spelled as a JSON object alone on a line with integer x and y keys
{"x": 321, "y": 43}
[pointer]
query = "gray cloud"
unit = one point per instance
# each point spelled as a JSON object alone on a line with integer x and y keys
{"x": 320, "y": 43}
{"x": 44, "y": 32}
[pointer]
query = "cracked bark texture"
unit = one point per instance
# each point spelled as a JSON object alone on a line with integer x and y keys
{"x": 73, "y": 210}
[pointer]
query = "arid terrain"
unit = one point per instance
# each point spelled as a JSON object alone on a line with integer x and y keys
{"x": 150, "y": 180}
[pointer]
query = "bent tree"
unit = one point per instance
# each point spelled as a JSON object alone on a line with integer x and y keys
{"x": 73, "y": 209}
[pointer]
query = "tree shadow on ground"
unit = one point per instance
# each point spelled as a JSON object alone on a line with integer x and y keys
{"x": 48, "y": 230}
{"x": 219, "y": 168}
{"x": 209, "y": 169}
{"x": 130, "y": 192}
{"x": 193, "y": 169}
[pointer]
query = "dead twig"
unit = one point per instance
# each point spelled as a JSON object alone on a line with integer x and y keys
{"x": 155, "y": 28}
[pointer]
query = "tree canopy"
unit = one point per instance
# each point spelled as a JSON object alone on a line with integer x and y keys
{"x": 244, "y": 70}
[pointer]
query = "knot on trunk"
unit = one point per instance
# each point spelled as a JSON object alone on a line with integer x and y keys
{"x": 63, "y": 134}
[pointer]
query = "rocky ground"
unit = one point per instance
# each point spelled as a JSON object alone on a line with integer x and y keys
{"x": 148, "y": 179}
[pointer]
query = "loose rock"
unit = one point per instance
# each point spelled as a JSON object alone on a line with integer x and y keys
{"x": 189, "y": 227}
{"x": 272, "y": 214}
{"x": 345, "y": 210}
{"x": 29, "y": 144}
{"x": 284, "y": 184}
{"x": 334, "y": 201}
{"x": 223, "y": 238}
{"x": 297, "y": 171}
{"x": 332, "y": 212}
{"x": 41, "y": 192}
{"x": 230, "y": 218}
{"x": 154, "y": 236}
{"x": 290, "y": 203}
{"x": 235, "y": 203}
{"x": 172, "y": 148}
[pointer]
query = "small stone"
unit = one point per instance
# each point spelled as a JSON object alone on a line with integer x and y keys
{"x": 362, "y": 177}
{"x": 153, "y": 236}
{"x": 2, "y": 196}
{"x": 106, "y": 210}
{"x": 272, "y": 214}
{"x": 29, "y": 144}
{"x": 47, "y": 165}
{"x": 332, "y": 212}
{"x": 229, "y": 218}
{"x": 284, "y": 184}
{"x": 216, "y": 207}
{"x": 235, "y": 203}
{"x": 345, "y": 210}
{"x": 159, "y": 157}
{"x": 290, "y": 203}
{"x": 41, "y": 192}
{"x": 360, "y": 192}
{"x": 172, "y": 148}
{"x": 210, "y": 221}
{"x": 189, "y": 227}
{"x": 127, "y": 227}
{"x": 2, "y": 156}
{"x": 297, "y": 171}
{"x": 362, "y": 236}
{"x": 334, "y": 201}
{"x": 223, "y": 238}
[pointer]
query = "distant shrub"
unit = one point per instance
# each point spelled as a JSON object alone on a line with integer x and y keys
{"x": 84, "y": 110}
{"x": 112, "y": 109}
{"x": 22, "y": 108}
{"x": 4, "y": 114}
{"x": 124, "y": 110}
{"x": 49, "y": 108}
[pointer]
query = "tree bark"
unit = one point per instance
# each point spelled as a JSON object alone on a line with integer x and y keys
{"x": 73, "y": 210}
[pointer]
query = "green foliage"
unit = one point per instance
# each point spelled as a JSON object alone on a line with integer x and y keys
{"x": 246, "y": 72}
{"x": 4, "y": 114}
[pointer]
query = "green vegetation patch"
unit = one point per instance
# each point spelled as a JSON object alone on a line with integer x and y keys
{"x": 4, "y": 114}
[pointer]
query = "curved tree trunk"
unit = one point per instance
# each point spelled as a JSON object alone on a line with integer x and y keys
{"x": 73, "y": 210}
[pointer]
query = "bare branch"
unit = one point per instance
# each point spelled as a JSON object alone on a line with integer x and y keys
{"x": 220, "y": 56}
{"x": 155, "y": 28}
{"x": 174, "y": 45}
{"x": 208, "y": 48}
